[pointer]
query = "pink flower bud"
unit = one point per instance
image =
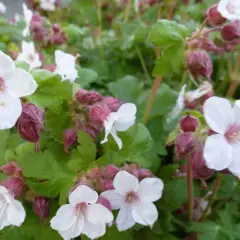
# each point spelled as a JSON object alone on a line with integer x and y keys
{"x": 104, "y": 202}
{"x": 189, "y": 123}
{"x": 56, "y": 28}
{"x": 95, "y": 173}
{"x": 112, "y": 103}
{"x": 98, "y": 112}
{"x": 50, "y": 67}
{"x": 41, "y": 207}
{"x": 214, "y": 17}
{"x": 144, "y": 173}
{"x": 15, "y": 185}
{"x": 88, "y": 97}
{"x": 231, "y": 31}
{"x": 11, "y": 169}
{"x": 30, "y": 123}
{"x": 110, "y": 171}
{"x": 184, "y": 144}
{"x": 199, "y": 63}
{"x": 105, "y": 184}
{"x": 69, "y": 138}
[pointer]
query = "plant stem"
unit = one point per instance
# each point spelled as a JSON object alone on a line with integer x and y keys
{"x": 154, "y": 89}
{"x": 127, "y": 11}
{"x": 99, "y": 28}
{"x": 144, "y": 67}
{"x": 190, "y": 188}
{"x": 232, "y": 88}
{"x": 216, "y": 186}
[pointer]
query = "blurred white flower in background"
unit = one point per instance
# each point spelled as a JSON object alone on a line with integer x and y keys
{"x": 230, "y": 9}
{"x": 28, "y": 14}
{"x": 48, "y": 5}
{"x": 3, "y": 8}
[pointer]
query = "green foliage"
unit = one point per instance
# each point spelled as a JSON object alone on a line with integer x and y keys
{"x": 86, "y": 77}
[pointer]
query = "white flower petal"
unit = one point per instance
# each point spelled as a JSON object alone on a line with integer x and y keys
{"x": 108, "y": 125}
{"x": 83, "y": 193}
{"x": 114, "y": 198}
{"x": 125, "y": 182}
{"x": 150, "y": 189}
{"x": 218, "y": 113}
{"x": 145, "y": 213}
{"x": 93, "y": 231}
{"x": 217, "y": 152}
{"x": 10, "y": 111}
{"x": 6, "y": 63}
{"x": 16, "y": 213}
{"x": 116, "y": 138}
{"x": 236, "y": 111}
{"x": 20, "y": 83}
{"x": 28, "y": 17}
{"x": 234, "y": 166}
{"x": 97, "y": 213}
{"x": 125, "y": 219}
{"x": 230, "y": 9}
{"x": 64, "y": 218}
{"x": 3, "y": 214}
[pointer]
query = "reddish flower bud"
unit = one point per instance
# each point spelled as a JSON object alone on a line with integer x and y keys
{"x": 11, "y": 169}
{"x": 69, "y": 138}
{"x": 214, "y": 17}
{"x": 105, "y": 184}
{"x": 88, "y": 97}
{"x": 95, "y": 173}
{"x": 41, "y": 207}
{"x": 184, "y": 144}
{"x": 98, "y": 112}
{"x": 110, "y": 171}
{"x": 112, "y": 103}
{"x": 30, "y": 123}
{"x": 50, "y": 67}
{"x": 15, "y": 185}
{"x": 231, "y": 31}
{"x": 199, "y": 63}
{"x": 104, "y": 202}
{"x": 189, "y": 123}
{"x": 144, "y": 173}
{"x": 56, "y": 28}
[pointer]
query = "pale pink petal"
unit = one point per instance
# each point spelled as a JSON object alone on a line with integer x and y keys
{"x": 97, "y": 214}
{"x": 114, "y": 198}
{"x": 125, "y": 182}
{"x": 83, "y": 193}
{"x": 150, "y": 189}
{"x": 125, "y": 219}
{"x": 6, "y": 63}
{"x": 145, "y": 213}
{"x": 218, "y": 113}
{"x": 3, "y": 213}
{"x": 93, "y": 231}
{"x": 236, "y": 110}
{"x": 234, "y": 166}
{"x": 217, "y": 152}
{"x": 116, "y": 138}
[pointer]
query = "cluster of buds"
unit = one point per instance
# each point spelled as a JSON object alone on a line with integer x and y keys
{"x": 30, "y": 123}
{"x": 41, "y": 207}
{"x": 102, "y": 179}
{"x": 52, "y": 35}
{"x": 90, "y": 110}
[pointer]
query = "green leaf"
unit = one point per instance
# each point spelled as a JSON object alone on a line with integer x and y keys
{"x": 113, "y": 233}
{"x": 86, "y": 77}
{"x": 23, "y": 65}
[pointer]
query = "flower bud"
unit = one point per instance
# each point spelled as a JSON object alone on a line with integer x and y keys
{"x": 103, "y": 201}
{"x": 110, "y": 171}
{"x": 189, "y": 123}
{"x": 69, "y": 138}
{"x": 144, "y": 173}
{"x": 15, "y": 185}
{"x": 231, "y": 31}
{"x": 41, "y": 207}
{"x": 199, "y": 63}
{"x": 214, "y": 17}
{"x": 112, "y": 103}
{"x": 11, "y": 169}
{"x": 30, "y": 123}
{"x": 56, "y": 28}
{"x": 98, "y": 112}
{"x": 184, "y": 144}
{"x": 88, "y": 97}
{"x": 105, "y": 184}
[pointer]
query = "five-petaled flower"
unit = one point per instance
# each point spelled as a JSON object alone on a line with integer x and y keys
{"x": 222, "y": 149}
{"x": 120, "y": 121}
{"x": 29, "y": 55}
{"x": 48, "y": 5}
{"x": 134, "y": 199}
{"x": 82, "y": 216}
{"x": 28, "y": 14}
{"x": 12, "y": 211}
{"x": 65, "y": 65}
{"x": 230, "y": 9}
{"x": 14, "y": 83}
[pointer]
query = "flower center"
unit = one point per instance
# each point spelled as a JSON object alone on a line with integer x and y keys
{"x": 132, "y": 197}
{"x": 31, "y": 57}
{"x": 233, "y": 134}
{"x": 81, "y": 207}
{"x": 2, "y": 85}
{"x": 231, "y": 8}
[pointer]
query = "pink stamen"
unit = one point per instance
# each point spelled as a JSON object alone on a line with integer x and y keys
{"x": 233, "y": 134}
{"x": 2, "y": 85}
{"x": 81, "y": 207}
{"x": 132, "y": 197}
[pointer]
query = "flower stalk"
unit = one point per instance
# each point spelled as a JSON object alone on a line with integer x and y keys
{"x": 190, "y": 188}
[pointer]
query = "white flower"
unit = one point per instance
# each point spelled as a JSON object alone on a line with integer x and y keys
{"x": 82, "y": 216}
{"x": 3, "y": 8}
{"x": 27, "y": 13}
{"x": 222, "y": 149}
{"x": 120, "y": 121}
{"x": 14, "y": 83}
{"x": 134, "y": 199}
{"x": 229, "y": 9}
{"x": 29, "y": 55}
{"x": 48, "y": 5}
{"x": 11, "y": 210}
{"x": 65, "y": 65}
